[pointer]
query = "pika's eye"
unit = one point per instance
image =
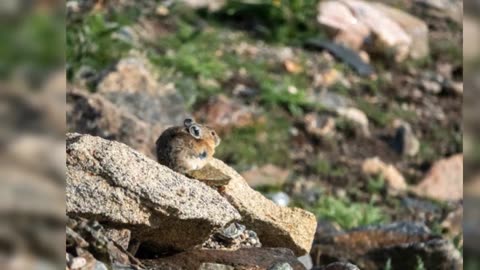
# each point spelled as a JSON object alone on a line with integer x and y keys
{"x": 195, "y": 131}
{"x": 213, "y": 133}
{"x": 188, "y": 122}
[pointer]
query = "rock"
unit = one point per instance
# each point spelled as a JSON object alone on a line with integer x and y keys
{"x": 113, "y": 183}
{"x": 280, "y": 266}
{"x": 413, "y": 26}
{"x": 306, "y": 260}
{"x": 319, "y": 126}
{"x": 338, "y": 16}
{"x": 233, "y": 237}
{"x": 280, "y": 198}
{"x": 222, "y": 113}
{"x": 84, "y": 238}
{"x": 363, "y": 18}
{"x": 211, "y": 5}
{"x": 330, "y": 100}
{"x": 444, "y": 181}
{"x": 215, "y": 266}
{"x": 405, "y": 142}
{"x": 231, "y": 232}
{"x": 401, "y": 243}
{"x": 340, "y": 266}
{"x": 247, "y": 258}
{"x": 121, "y": 237}
{"x": 276, "y": 226}
{"x": 452, "y": 9}
{"x": 93, "y": 114}
{"x": 345, "y": 54}
{"x": 453, "y": 223}
{"x": 267, "y": 175}
{"x": 357, "y": 117}
{"x": 134, "y": 87}
{"x": 374, "y": 166}
{"x": 431, "y": 86}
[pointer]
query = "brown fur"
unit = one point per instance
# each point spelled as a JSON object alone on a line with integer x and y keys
{"x": 177, "y": 149}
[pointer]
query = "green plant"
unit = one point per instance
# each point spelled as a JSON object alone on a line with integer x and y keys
{"x": 323, "y": 167}
{"x": 376, "y": 184}
{"x": 261, "y": 143}
{"x": 420, "y": 265}
{"x": 346, "y": 213}
{"x": 277, "y": 20}
{"x": 388, "y": 264}
{"x": 96, "y": 41}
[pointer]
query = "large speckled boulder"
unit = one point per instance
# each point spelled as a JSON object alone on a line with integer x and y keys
{"x": 116, "y": 185}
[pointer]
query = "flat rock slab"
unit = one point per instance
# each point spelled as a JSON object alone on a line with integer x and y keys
{"x": 249, "y": 258}
{"x": 114, "y": 184}
{"x": 401, "y": 243}
{"x": 276, "y": 226}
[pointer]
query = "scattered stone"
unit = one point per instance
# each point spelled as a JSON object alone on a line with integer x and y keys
{"x": 306, "y": 260}
{"x": 121, "y": 237}
{"x": 319, "y": 126}
{"x": 281, "y": 266}
{"x": 276, "y": 226}
{"x": 267, "y": 175}
{"x": 246, "y": 258}
{"x": 422, "y": 210}
{"x": 405, "y": 142}
{"x": 345, "y": 54}
{"x": 331, "y": 101}
{"x": 452, "y": 9}
{"x": 292, "y": 66}
{"x": 215, "y": 266}
{"x": 401, "y": 243}
{"x": 281, "y": 198}
{"x": 84, "y": 238}
{"x": 413, "y": 27}
{"x": 211, "y": 5}
{"x": 374, "y": 166}
{"x": 340, "y": 266}
{"x": 356, "y": 21}
{"x": 431, "y": 86}
{"x": 113, "y": 183}
{"x": 231, "y": 232}
{"x": 356, "y": 116}
{"x": 338, "y": 16}
{"x": 444, "y": 181}
{"x": 222, "y": 113}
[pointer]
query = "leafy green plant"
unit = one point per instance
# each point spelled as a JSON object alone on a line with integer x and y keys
{"x": 376, "y": 184}
{"x": 323, "y": 167}
{"x": 388, "y": 264}
{"x": 92, "y": 41}
{"x": 346, "y": 213}
{"x": 420, "y": 264}
{"x": 277, "y": 20}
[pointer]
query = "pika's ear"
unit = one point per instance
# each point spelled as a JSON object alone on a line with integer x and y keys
{"x": 188, "y": 122}
{"x": 195, "y": 131}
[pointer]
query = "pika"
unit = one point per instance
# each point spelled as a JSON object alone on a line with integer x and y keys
{"x": 187, "y": 148}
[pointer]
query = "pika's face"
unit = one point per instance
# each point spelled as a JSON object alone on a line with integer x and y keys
{"x": 202, "y": 132}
